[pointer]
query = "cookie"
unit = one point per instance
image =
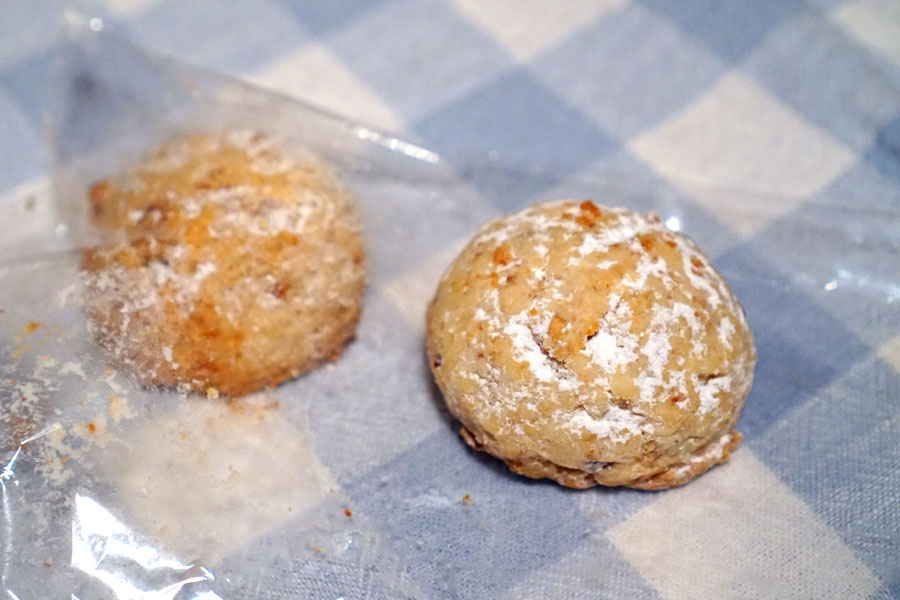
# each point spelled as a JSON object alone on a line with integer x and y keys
{"x": 591, "y": 345}
{"x": 239, "y": 264}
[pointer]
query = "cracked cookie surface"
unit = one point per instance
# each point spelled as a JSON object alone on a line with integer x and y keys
{"x": 591, "y": 345}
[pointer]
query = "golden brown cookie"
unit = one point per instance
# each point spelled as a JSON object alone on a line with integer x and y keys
{"x": 242, "y": 264}
{"x": 591, "y": 345}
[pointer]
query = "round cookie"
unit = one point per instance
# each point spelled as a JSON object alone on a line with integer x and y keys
{"x": 241, "y": 264}
{"x": 591, "y": 345}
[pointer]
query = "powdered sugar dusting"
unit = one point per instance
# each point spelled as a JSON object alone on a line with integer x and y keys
{"x": 726, "y": 330}
{"x": 709, "y": 391}
{"x": 72, "y": 368}
{"x": 646, "y": 268}
{"x": 525, "y": 348}
{"x": 681, "y": 310}
{"x": 617, "y": 424}
{"x": 613, "y": 346}
{"x": 531, "y": 219}
{"x": 627, "y": 228}
{"x": 711, "y": 452}
{"x": 700, "y": 282}
{"x": 656, "y": 349}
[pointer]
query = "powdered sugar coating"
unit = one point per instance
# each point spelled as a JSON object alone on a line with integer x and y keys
{"x": 589, "y": 335}
{"x": 242, "y": 264}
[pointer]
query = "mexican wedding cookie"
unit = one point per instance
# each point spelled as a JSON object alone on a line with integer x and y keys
{"x": 591, "y": 345}
{"x": 241, "y": 264}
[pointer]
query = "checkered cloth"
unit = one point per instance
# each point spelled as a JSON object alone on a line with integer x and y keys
{"x": 770, "y": 131}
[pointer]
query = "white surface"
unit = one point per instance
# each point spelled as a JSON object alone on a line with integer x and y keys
{"x": 874, "y": 23}
{"x": 527, "y": 28}
{"x": 890, "y": 351}
{"x": 29, "y": 211}
{"x": 739, "y": 135}
{"x": 206, "y": 479}
{"x": 745, "y": 211}
{"x": 313, "y": 73}
{"x": 126, "y": 8}
{"x": 739, "y": 532}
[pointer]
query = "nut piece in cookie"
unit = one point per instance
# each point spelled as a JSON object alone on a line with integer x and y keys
{"x": 591, "y": 345}
{"x": 240, "y": 264}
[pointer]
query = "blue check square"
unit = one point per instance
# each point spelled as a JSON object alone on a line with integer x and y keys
{"x": 459, "y": 512}
{"x": 412, "y": 69}
{"x": 630, "y": 70}
{"x": 731, "y": 28}
{"x": 830, "y": 80}
{"x": 841, "y": 453}
{"x": 801, "y": 346}
{"x": 517, "y": 119}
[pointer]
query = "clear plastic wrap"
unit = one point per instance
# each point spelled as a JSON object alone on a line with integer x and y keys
{"x": 115, "y": 491}
{"x": 111, "y": 490}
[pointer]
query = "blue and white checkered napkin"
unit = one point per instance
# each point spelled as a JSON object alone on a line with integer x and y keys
{"x": 769, "y": 131}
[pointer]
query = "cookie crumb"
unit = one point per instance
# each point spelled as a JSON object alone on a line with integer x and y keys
{"x": 503, "y": 255}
